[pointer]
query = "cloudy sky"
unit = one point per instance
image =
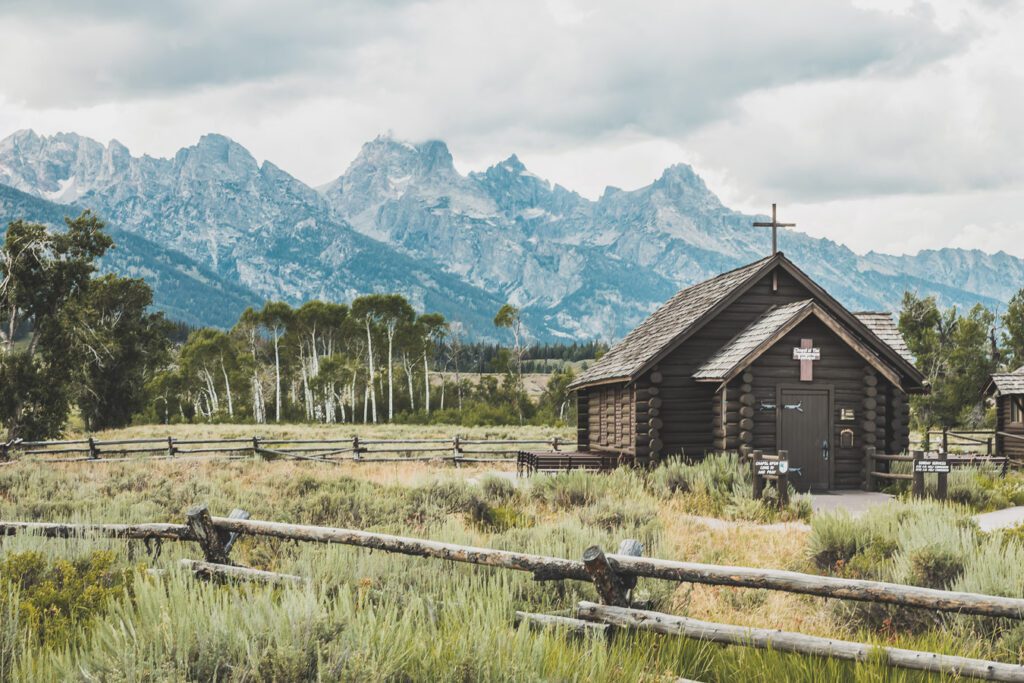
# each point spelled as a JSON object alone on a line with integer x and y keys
{"x": 882, "y": 124}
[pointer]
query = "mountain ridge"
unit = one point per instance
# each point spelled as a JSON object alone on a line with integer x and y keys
{"x": 402, "y": 218}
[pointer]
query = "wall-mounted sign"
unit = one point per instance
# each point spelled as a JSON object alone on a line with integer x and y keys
{"x": 931, "y": 466}
{"x": 813, "y": 353}
{"x": 847, "y": 415}
{"x": 771, "y": 468}
{"x": 846, "y": 438}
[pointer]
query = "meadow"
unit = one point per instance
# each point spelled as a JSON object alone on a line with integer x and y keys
{"x": 88, "y": 609}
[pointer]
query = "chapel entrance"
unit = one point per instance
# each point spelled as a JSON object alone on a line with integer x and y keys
{"x": 804, "y": 428}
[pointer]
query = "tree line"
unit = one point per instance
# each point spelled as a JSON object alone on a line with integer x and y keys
{"x": 957, "y": 352}
{"x": 72, "y": 338}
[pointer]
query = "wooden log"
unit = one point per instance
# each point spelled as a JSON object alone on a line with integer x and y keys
{"x": 201, "y": 523}
{"x": 747, "y": 411}
{"x": 633, "y": 548}
{"x": 172, "y": 532}
{"x": 209, "y": 570}
{"x": 822, "y": 586}
{"x": 747, "y": 378}
{"x": 608, "y": 586}
{"x": 746, "y": 388}
{"x": 746, "y": 437}
{"x": 747, "y": 399}
{"x": 746, "y": 424}
{"x": 237, "y": 513}
{"x": 577, "y": 627}
{"x": 787, "y": 641}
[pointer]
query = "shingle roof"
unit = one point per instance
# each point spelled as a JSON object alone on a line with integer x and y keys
{"x": 884, "y": 327}
{"x": 670, "y": 321}
{"x": 742, "y": 345}
{"x": 1009, "y": 383}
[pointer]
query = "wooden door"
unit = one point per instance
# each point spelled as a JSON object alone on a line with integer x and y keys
{"x": 805, "y": 427}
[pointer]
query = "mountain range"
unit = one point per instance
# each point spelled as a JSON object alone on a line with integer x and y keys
{"x": 215, "y": 231}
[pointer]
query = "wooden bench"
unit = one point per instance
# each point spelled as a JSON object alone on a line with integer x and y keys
{"x": 529, "y": 462}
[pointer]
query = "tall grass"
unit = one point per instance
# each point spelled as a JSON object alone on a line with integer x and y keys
{"x": 381, "y": 617}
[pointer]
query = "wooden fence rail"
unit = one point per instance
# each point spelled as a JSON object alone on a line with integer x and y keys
{"x": 613, "y": 575}
{"x": 455, "y": 449}
{"x": 787, "y": 641}
{"x": 554, "y": 568}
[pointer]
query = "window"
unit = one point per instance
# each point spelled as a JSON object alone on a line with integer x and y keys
{"x": 1017, "y": 409}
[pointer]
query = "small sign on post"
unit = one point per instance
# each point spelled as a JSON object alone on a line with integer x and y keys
{"x": 931, "y": 466}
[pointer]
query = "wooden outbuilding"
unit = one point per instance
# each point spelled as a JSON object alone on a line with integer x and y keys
{"x": 1007, "y": 390}
{"x": 758, "y": 358}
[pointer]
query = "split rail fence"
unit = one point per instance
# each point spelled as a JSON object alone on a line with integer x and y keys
{"x": 456, "y": 449}
{"x": 613, "y": 575}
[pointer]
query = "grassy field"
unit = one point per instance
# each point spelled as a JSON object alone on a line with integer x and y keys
{"x": 87, "y": 610}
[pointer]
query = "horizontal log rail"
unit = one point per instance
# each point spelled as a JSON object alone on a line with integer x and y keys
{"x": 351, "y": 449}
{"x": 554, "y": 568}
{"x": 799, "y": 643}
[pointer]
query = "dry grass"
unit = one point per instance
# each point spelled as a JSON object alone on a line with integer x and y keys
{"x": 373, "y": 616}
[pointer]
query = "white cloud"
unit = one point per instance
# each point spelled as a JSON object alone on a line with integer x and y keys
{"x": 832, "y": 108}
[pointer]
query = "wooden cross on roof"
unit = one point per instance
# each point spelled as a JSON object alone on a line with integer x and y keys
{"x": 774, "y": 225}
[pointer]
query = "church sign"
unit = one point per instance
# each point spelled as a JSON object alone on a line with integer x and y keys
{"x": 931, "y": 466}
{"x": 806, "y": 353}
{"x": 771, "y": 468}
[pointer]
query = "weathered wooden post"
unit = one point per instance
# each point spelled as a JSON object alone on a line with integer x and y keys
{"x": 554, "y": 443}
{"x": 237, "y": 513}
{"x": 170, "y": 447}
{"x": 782, "y": 480}
{"x": 633, "y": 548}
{"x": 356, "y": 450}
{"x": 201, "y": 524}
{"x": 942, "y": 488}
{"x": 758, "y": 481}
{"x": 94, "y": 452}
{"x": 917, "y": 488}
{"x": 255, "y": 446}
{"x": 869, "y": 467}
{"x": 456, "y": 450}
{"x": 607, "y": 582}
{"x": 945, "y": 440}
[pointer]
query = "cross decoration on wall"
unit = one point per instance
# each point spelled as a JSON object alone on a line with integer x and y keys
{"x": 806, "y": 353}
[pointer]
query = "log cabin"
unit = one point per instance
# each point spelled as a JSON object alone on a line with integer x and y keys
{"x": 1007, "y": 391}
{"x": 758, "y": 358}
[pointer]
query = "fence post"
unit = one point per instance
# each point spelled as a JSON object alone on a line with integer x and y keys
{"x": 607, "y": 582}
{"x": 355, "y": 449}
{"x": 94, "y": 452}
{"x": 943, "y": 486}
{"x": 5, "y": 451}
{"x": 782, "y": 482}
{"x": 255, "y": 446}
{"x": 758, "y": 481}
{"x": 917, "y": 488}
{"x": 170, "y": 447}
{"x": 456, "y": 449}
{"x": 869, "y": 467}
{"x": 988, "y": 447}
{"x": 201, "y": 524}
{"x": 554, "y": 443}
{"x": 926, "y": 445}
{"x": 945, "y": 440}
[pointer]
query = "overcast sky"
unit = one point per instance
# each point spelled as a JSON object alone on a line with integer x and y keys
{"x": 882, "y": 124}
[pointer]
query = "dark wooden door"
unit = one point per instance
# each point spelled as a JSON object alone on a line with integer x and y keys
{"x": 805, "y": 431}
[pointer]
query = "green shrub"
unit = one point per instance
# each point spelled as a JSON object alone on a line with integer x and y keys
{"x": 833, "y": 540}
{"x": 613, "y": 515}
{"x": 933, "y": 551}
{"x": 498, "y": 489}
{"x": 570, "y": 489}
{"x": 54, "y": 598}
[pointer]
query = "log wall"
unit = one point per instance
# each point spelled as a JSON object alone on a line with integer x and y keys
{"x": 1010, "y": 447}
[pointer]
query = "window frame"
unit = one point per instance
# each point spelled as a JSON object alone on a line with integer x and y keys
{"x": 1016, "y": 409}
